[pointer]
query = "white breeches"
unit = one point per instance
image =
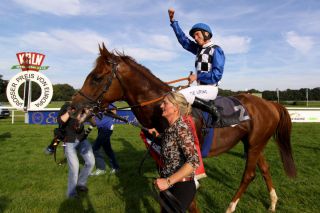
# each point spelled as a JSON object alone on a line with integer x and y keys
{"x": 206, "y": 92}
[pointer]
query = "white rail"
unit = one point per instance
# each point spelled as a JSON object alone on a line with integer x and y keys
{"x": 297, "y": 114}
{"x": 12, "y": 114}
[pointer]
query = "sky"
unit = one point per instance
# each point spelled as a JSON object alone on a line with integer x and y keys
{"x": 268, "y": 44}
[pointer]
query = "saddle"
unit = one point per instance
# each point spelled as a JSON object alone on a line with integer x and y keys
{"x": 228, "y": 107}
{"x": 231, "y": 111}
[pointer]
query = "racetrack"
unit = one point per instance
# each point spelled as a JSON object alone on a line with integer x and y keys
{"x": 30, "y": 181}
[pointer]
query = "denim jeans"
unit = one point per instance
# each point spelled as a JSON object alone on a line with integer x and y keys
{"x": 74, "y": 178}
{"x": 103, "y": 140}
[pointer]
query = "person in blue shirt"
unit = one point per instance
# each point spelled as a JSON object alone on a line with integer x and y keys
{"x": 209, "y": 65}
{"x": 105, "y": 129}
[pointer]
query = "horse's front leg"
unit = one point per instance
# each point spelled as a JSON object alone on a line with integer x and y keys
{"x": 193, "y": 207}
{"x": 264, "y": 168}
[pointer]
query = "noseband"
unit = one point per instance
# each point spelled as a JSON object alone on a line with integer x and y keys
{"x": 97, "y": 102}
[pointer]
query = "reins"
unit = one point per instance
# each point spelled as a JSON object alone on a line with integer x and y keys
{"x": 160, "y": 98}
{"x": 114, "y": 74}
{"x": 178, "y": 80}
{"x": 144, "y": 103}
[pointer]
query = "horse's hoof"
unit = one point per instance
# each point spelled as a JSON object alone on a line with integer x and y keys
{"x": 229, "y": 210}
{"x": 272, "y": 209}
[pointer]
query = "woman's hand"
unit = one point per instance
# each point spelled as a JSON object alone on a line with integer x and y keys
{"x": 161, "y": 184}
{"x": 153, "y": 131}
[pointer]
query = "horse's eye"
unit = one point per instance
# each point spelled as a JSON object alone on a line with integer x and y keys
{"x": 97, "y": 79}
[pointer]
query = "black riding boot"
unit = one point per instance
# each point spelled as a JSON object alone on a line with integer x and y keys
{"x": 207, "y": 106}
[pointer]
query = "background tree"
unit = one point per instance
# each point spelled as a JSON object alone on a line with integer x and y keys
{"x": 269, "y": 95}
{"x": 3, "y": 87}
{"x": 314, "y": 94}
{"x": 62, "y": 92}
{"x": 35, "y": 88}
{"x": 226, "y": 92}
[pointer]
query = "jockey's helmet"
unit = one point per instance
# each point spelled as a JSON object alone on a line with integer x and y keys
{"x": 200, "y": 27}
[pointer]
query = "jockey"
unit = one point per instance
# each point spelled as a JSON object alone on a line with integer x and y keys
{"x": 209, "y": 65}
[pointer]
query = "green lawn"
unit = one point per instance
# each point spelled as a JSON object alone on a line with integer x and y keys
{"x": 30, "y": 181}
{"x": 301, "y": 103}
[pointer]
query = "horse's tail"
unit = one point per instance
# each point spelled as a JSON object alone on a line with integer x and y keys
{"x": 282, "y": 138}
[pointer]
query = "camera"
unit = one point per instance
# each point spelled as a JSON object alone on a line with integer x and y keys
{"x": 52, "y": 146}
{"x": 87, "y": 131}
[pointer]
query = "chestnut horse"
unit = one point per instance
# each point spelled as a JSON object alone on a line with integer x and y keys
{"x": 119, "y": 77}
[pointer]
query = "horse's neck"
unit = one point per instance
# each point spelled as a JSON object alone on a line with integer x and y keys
{"x": 144, "y": 88}
{"x": 147, "y": 106}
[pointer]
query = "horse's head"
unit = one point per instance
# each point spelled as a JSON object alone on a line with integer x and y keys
{"x": 119, "y": 77}
{"x": 101, "y": 86}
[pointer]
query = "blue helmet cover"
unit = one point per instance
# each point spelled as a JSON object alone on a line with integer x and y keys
{"x": 200, "y": 26}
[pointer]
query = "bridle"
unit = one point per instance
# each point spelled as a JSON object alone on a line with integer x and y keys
{"x": 98, "y": 101}
{"x": 114, "y": 74}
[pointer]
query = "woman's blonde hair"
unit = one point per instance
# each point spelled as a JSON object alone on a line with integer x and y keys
{"x": 180, "y": 101}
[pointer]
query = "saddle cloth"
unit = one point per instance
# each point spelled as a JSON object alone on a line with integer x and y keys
{"x": 228, "y": 106}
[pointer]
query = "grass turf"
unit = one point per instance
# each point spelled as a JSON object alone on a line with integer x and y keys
{"x": 30, "y": 181}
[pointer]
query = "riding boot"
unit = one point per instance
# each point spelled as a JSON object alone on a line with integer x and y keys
{"x": 207, "y": 106}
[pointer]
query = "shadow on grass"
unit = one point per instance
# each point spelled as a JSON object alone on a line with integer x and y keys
{"x": 228, "y": 179}
{"x": 133, "y": 188}
{"x": 310, "y": 148}
{"x": 219, "y": 175}
{"x": 237, "y": 154}
{"x": 80, "y": 204}
{"x": 4, "y": 202}
{"x": 4, "y": 136}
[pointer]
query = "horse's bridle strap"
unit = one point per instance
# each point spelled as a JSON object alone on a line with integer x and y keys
{"x": 82, "y": 94}
{"x": 113, "y": 75}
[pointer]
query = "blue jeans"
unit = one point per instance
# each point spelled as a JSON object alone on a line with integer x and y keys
{"x": 74, "y": 178}
{"x": 103, "y": 140}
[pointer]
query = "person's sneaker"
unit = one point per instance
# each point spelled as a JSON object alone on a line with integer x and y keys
{"x": 98, "y": 172}
{"x": 113, "y": 171}
{"x": 81, "y": 188}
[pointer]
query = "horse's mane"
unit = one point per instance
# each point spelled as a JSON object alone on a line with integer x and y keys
{"x": 118, "y": 56}
{"x": 145, "y": 71}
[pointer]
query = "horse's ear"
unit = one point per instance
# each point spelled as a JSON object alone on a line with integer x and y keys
{"x": 103, "y": 50}
{"x": 104, "y": 47}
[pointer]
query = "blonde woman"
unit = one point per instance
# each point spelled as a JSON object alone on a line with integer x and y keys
{"x": 178, "y": 151}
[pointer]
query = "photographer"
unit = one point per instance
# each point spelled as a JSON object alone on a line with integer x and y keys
{"x": 105, "y": 125}
{"x": 75, "y": 141}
